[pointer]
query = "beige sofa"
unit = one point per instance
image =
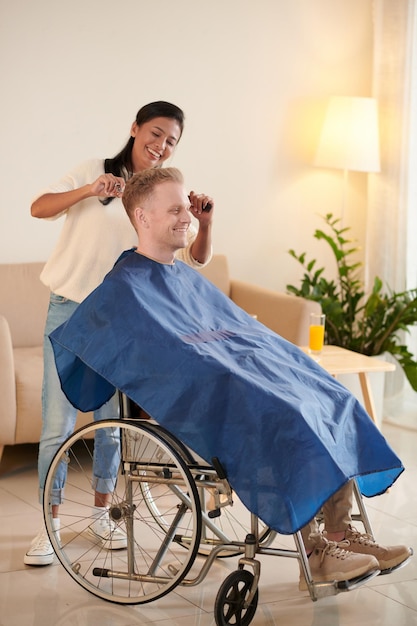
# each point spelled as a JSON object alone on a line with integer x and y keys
{"x": 23, "y": 306}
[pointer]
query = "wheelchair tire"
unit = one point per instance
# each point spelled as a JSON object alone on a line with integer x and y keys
{"x": 229, "y": 607}
{"x": 154, "y": 560}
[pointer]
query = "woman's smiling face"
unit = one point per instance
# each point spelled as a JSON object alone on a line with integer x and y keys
{"x": 154, "y": 142}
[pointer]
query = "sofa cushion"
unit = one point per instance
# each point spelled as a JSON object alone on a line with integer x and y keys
{"x": 217, "y": 271}
{"x": 29, "y": 372}
{"x": 24, "y": 302}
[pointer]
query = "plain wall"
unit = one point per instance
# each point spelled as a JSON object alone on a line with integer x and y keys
{"x": 253, "y": 79}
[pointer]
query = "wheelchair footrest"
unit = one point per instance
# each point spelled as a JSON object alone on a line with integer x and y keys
{"x": 353, "y": 583}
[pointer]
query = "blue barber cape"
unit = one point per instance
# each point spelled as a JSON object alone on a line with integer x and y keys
{"x": 287, "y": 433}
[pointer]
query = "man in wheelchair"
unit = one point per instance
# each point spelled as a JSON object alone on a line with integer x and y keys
{"x": 290, "y": 437}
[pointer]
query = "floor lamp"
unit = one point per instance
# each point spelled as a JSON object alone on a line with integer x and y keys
{"x": 349, "y": 139}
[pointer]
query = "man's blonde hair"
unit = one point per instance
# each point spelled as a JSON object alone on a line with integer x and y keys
{"x": 141, "y": 186}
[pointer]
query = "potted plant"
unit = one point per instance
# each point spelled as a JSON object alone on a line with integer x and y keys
{"x": 371, "y": 324}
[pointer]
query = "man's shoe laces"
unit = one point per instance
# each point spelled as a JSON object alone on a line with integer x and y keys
{"x": 334, "y": 549}
{"x": 363, "y": 538}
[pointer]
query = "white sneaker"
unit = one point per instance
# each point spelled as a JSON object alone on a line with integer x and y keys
{"x": 41, "y": 551}
{"x": 105, "y": 530}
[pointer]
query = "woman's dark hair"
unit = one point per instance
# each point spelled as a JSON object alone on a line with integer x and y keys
{"x": 123, "y": 160}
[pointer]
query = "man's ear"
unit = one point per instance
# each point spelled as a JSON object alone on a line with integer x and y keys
{"x": 141, "y": 218}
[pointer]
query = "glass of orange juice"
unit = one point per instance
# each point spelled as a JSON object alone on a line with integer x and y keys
{"x": 316, "y": 335}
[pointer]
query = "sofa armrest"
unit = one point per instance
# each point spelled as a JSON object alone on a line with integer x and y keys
{"x": 7, "y": 386}
{"x": 217, "y": 272}
{"x": 285, "y": 314}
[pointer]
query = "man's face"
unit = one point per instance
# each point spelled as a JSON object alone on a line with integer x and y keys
{"x": 168, "y": 217}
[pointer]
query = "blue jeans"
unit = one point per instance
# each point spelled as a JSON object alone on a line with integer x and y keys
{"x": 59, "y": 416}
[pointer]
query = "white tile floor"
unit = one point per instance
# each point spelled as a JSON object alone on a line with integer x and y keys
{"x": 48, "y": 596}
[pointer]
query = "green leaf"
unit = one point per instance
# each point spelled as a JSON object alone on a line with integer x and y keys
{"x": 368, "y": 323}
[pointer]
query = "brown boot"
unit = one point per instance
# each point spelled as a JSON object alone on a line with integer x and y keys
{"x": 389, "y": 557}
{"x": 331, "y": 561}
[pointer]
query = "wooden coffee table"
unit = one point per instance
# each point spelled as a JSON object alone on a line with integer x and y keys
{"x": 336, "y": 361}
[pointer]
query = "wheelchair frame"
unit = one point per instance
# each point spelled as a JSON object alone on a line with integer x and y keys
{"x": 172, "y": 508}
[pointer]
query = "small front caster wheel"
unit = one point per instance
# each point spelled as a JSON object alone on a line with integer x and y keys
{"x": 229, "y": 607}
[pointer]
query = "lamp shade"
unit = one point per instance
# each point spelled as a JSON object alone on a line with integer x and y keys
{"x": 349, "y": 138}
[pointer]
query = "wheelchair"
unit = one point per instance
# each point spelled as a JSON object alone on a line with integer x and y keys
{"x": 175, "y": 510}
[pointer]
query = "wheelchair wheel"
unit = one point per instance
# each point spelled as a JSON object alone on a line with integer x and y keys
{"x": 229, "y": 608}
{"x": 154, "y": 560}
